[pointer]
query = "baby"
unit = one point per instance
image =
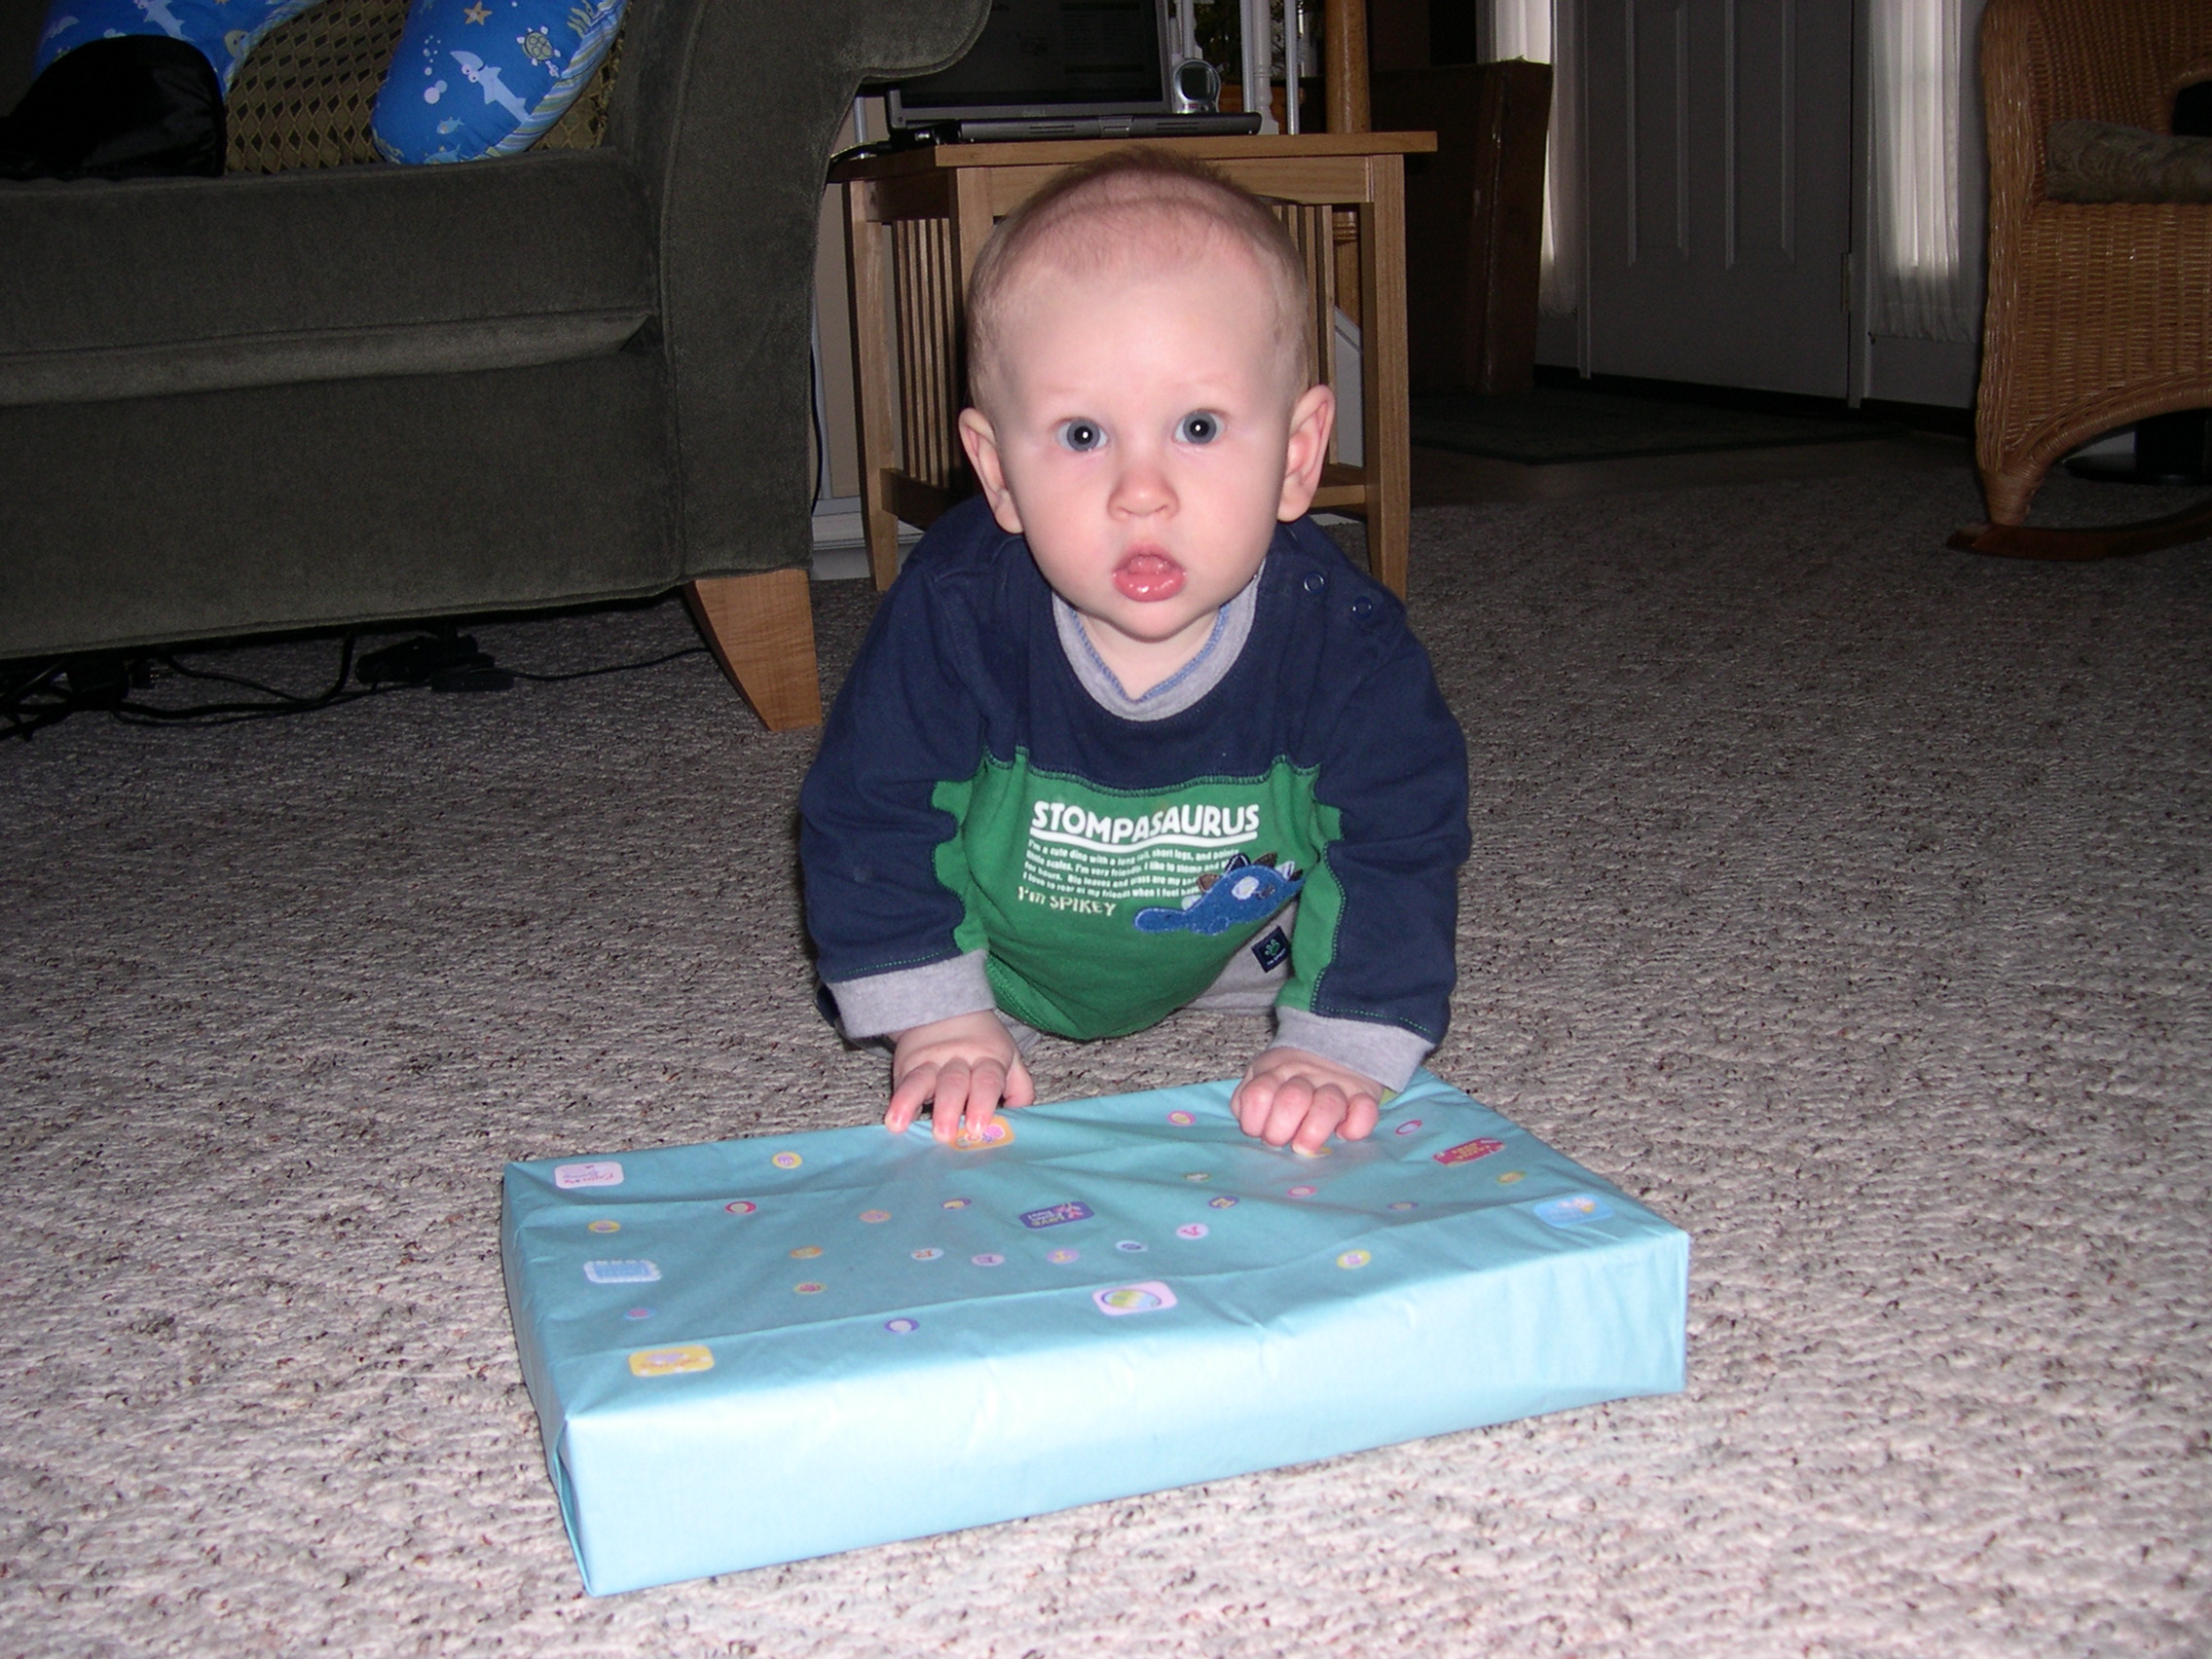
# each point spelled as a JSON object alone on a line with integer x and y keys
{"x": 1130, "y": 734}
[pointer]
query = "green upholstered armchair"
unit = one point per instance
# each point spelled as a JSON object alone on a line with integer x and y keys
{"x": 358, "y": 393}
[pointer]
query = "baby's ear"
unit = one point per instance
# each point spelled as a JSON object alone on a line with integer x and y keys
{"x": 980, "y": 441}
{"x": 1311, "y": 420}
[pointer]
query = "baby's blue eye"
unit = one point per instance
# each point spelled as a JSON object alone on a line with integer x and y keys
{"x": 1081, "y": 435}
{"x": 1200, "y": 428}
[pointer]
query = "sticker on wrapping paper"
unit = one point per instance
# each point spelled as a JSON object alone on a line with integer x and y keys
{"x": 1407, "y": 1128}
{"x": 1062, "y": 1256}
{"x": 809, "y": 1287}
{"x": 876, "y": 1215}
{"x": 927, "y": 1253}
{"x": 1303, "y": 1192}
{"x": 988, "y": 1259}
{"x": 604, "y": 1226}
{"x": 1405, "y": 1204}
{"x": 1181, "y": 1120}
{"x": 958, "y": 1203}
{"x": 740, "y": 1207}
{"x": 1132, "y": 1245}
{"x": 901, "y": 1327}
{"x": 997, "y": 1133}
{"x": 671, "y": 1361}
{"x": 1192, "y": 1229}
{"x": 1150, "y": 1296}
{"x": 621, "y": 1273}
{"x": 806, "y": 1252}
{"x": 637, "y": 1314}
{"x": 1573, "y": 1210}
{"x": 1057, "y": 1215}
{"x": 1466, "y": 1152}
{"x": 1512, "y": 1175}
{"x": 600, "y": 1172}
{"x": 1224, "y": 1202}
{"x": 787, "y": 1160}
{"x": 1355, "y": 1259}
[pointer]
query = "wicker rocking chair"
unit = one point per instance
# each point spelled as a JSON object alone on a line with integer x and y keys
{"x": 2099, "y": 313}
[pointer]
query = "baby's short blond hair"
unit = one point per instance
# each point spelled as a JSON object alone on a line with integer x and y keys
{"x": 1134, "y": 203}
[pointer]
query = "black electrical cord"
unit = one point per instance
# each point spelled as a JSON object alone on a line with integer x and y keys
{"x": 42, "y": 695}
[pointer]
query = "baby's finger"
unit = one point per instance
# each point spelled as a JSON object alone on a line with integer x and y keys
{"x": 1288, "y": 1110}
{"x": 1360, "y": 1122}
{"x": 987, "y": 1087}
{"x": 1021, "y": 1089}
{"x": 951, "y": 1095}
{"x": 1328, "y": 1110}
{"x": 1253, "y": 1096}
{"x": 911, "y": 1094}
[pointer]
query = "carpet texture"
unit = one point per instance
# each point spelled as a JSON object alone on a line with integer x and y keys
{"x": 1842, "y": 896}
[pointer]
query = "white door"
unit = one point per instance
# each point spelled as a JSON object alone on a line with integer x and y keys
{"x": 1718, "y": 139}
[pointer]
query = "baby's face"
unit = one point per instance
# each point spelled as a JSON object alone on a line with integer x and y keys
{"x": 1145, "y": 437}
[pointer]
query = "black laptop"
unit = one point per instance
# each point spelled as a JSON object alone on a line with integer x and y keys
{"x": 1058, "y": 69}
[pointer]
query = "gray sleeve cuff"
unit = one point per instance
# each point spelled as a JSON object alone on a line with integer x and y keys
{"x": 1390, "y": 1055}
{"x": 878, "y": 1005}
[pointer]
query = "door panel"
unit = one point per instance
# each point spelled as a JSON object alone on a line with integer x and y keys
{"x": 1719, "y": 191}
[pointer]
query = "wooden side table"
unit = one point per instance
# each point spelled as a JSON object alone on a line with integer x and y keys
{"x": 919, "y": 217}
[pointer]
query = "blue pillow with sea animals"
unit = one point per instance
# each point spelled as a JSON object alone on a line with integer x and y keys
{"x": 475, "y": 78}
{"x": 223, "y": 30}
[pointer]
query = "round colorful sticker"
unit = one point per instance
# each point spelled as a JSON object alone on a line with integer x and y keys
{"x": 901, "y": 1327}
{"x": 1197, "y": 1175}
{"x": 988, "y": 1259}
{"x": 1132, "y": 1245}
{"x": 740, "y": 1207}
{"x": 1405, "y": 1204}
{"x": 931, "y": 1254}
{"x": 1512, "y": 1175}
{"x": 806, "y": 1252}
{"x": 606, "y": 1226}
{"x": 876, "y": 1215}
{"x": 787, "y": 1160}
{"x": 1063, "y": 1255}
{"x": 1303, "y": 1192}
{"x": 810, "y": 1287}
{"x": 1224, "y": 1202}
{"x": 637, "y": 1313}
{"x": 1192, "y": 1229}
{"x": 1408, "y": 1126}
{"x": 1181, "y": 1120}
{"x": 1355, "y": 1259}
{"x": 958, "y": 1203}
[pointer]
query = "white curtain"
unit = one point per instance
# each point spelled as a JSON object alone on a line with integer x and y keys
{"x": 1542, "y": 32}
{"x": 1930, "y": 177}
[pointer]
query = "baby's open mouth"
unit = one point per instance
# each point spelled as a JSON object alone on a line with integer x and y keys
{"x": 1147, "y": 577}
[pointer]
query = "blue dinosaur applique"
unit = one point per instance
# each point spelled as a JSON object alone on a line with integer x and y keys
{"x": 1244, "y": 892}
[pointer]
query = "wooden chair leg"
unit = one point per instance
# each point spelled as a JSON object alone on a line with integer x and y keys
{"x": 2030, "y": 542}
{"x": 760, "y": 629}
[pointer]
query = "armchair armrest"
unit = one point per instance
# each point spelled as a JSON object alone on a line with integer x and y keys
{"x": 728, "y": 108}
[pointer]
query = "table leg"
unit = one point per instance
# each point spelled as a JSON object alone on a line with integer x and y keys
{"x": 1383, "y": 383}
{"x": 874, "y": 366}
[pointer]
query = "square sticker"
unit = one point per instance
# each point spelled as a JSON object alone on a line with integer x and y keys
{"x": 599, "y": 1172}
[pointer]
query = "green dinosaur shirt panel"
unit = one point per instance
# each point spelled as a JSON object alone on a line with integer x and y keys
{"x": 1104, "y": 910}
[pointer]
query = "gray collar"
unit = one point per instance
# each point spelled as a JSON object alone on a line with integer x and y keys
{"x": 1232, "y": 627}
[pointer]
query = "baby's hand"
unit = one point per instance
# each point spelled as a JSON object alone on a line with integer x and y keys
{"x": 1291, "y": 1095}
{"x": 967, "y": 1065}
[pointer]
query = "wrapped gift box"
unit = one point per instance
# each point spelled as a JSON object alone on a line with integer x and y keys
{"x": 764, "y": 1349}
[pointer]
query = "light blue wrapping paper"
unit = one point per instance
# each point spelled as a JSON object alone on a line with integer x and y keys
{"x": 760, "y": 1351}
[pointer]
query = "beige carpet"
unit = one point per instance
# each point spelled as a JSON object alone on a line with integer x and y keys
{"x": 1843, "y": 896}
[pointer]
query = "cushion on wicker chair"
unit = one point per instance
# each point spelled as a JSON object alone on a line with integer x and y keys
{"x": 476, "y": 78}
{"x": 2101, "y": 161}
